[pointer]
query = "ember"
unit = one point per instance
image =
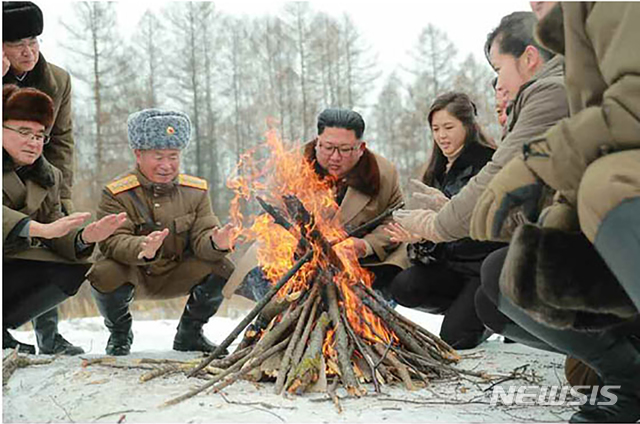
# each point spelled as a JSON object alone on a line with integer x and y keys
{"x": 321, "y": 320}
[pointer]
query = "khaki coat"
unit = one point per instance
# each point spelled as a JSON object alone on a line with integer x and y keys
{"x": 34, "y": 197}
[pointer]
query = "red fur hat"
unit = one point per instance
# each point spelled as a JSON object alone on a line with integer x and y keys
{"x": 26, "y": 104}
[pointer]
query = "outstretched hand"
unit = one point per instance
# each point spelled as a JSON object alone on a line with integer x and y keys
{"x": 223, "y": 237}
{"x": 103, "y": 228}
{"x": 58, "y": 228}
{"x": 152, "y": 243}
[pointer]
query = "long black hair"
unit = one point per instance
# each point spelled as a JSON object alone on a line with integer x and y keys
{"x": 462, "y": 108}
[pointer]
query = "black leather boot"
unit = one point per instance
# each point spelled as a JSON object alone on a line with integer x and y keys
{"x": 615, "y": 358}
{"x": 204, "y": 301}
{"x": 50, "y": 342}
{"x": 114, "y": 307}
{"x": 8, "y": 342}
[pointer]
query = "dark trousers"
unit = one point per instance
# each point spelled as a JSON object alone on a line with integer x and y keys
{"x": 30, "y": 288}
{"x": 444, "y": 288}
{"x": 487, "y": 299}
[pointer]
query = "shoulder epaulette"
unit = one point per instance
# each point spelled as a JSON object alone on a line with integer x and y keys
{"x": 123, "y": 184}
{"x": 191, "y": 181}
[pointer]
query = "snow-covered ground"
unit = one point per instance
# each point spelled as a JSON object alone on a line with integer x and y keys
{"x": 65, "y": 391}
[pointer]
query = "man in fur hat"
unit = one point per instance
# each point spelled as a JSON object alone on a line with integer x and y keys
{"x": 25, "y": 66}
{"x": 43, "y": 250}
{"x": 365, "y": 186}
{"x": 579, "y": 267}
{"x": 173, "y": 244}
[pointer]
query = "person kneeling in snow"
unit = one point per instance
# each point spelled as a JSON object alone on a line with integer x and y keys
{"x": 172, "y": 244}
{"x": 44, "y": 252}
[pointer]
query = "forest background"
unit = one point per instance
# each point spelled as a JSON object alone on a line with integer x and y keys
{"x": 235, "y": 73}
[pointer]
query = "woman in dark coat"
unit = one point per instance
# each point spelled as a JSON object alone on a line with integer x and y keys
{"x": 445, "y": 276}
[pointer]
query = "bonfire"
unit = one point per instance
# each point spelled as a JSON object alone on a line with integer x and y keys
{"x": 320, "y": 326}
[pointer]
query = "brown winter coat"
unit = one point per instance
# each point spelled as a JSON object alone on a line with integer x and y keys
{"x": 539, "y": 105}
{"x": 373, "y": 188}
{"x": 35, "y": 197}
{"x": 55, "y": 82}
{"x": 186, "y": 256}
{"x": 602, "y": 56}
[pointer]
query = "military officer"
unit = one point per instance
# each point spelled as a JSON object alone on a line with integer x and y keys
{"x": 172, "y": 245}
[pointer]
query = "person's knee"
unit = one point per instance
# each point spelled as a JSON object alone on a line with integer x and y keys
{"x": 605, "y": 184}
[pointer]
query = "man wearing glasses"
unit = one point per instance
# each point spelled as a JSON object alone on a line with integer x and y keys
{"x": 24, "y": 66}
{"x": 44, "y": 251}
{"x": 365, "y": 186}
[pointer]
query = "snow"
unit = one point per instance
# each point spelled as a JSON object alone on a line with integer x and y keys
{"x": 65, "y": 391}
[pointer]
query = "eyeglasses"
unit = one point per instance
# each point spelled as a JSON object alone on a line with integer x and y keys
{"x": 27, "y": 43}
{"x": 328, "y": 149}
{"x": 43, "y": 138}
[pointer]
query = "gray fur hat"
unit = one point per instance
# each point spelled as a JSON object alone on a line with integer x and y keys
{"x": 151, "y": 129}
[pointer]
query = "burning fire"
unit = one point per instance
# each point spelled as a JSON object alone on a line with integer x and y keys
{"x": 271, "y": 172}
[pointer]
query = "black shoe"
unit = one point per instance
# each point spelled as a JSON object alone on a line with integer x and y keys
{"x": 50, "y": 342}
{"x": 192, "y": 339}
{"x": 204, "y": 301}
{"x": 119, "y": 344}
{"x": 63, "y": 347}
{"x": 8, "y": 342}
{"x": 114, "y": 307}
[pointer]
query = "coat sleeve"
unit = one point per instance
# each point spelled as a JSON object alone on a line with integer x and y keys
{"x": 200, "y": 235}
{"x": 609, "y": 34}
{"x": 544, "y": 103}
{"x": 123, "y": 245}
{"x": 12, "y": 222}
{"x": 378, "y": 239}
{"x": 60, "y": 150}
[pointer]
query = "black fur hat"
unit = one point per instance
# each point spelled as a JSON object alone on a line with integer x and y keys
{"x": 26, "y": 104}
{"x": 21, "y": 19}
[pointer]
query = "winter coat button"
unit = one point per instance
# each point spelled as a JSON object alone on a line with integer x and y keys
{"x": 156, "y": 205}
{"x": 158, "y": 223}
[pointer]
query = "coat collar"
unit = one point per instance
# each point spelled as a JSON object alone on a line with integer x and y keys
{"x": 40, "y": 172}
{"x": 41, "y": 77}
{"x": 160, "y": 189}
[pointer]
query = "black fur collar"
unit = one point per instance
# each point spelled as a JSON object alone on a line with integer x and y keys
{"x": 40, "y": 171}
{"x": 364, "y": 177}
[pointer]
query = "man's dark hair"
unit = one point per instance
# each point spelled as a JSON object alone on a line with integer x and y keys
{"x": 341, "y": 118}
{"x": 514, "y": 34}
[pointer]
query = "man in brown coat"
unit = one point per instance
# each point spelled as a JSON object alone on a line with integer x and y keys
{"x": 44, "y": 252}
{"x": 172, "y": 244}
{"x": 552, "y": 273}
{"x": 366, "y": 185}
{"x": 25, "y": 66}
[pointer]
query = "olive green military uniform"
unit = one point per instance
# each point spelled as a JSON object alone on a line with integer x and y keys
{"x": 187, "y": 254}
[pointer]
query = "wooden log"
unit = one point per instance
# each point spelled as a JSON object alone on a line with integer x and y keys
{"x": 399, "y": 366}
{"x": 308, "y": 369}
{"x": 254, "y": 312}
{"x": 342, "y": 342}
{"x": 297, "y": 332}
{"x": 250, "y": 365}
{"x": 405, "y": 337}
{"x": 300, "y": 347}
{"x": 363, "y": 351}
{"x": 413, "y": 326}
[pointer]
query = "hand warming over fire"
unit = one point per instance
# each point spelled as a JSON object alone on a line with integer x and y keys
{"x": 152, "y": 243}
{"x": 398, "y": 234}
{"x": 359, "y": 245}
{"x": 223, "y": 238}
{"x": 420, "y": 222}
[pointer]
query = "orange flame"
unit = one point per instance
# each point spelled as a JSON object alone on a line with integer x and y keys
{"x": 272, "y": 171}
